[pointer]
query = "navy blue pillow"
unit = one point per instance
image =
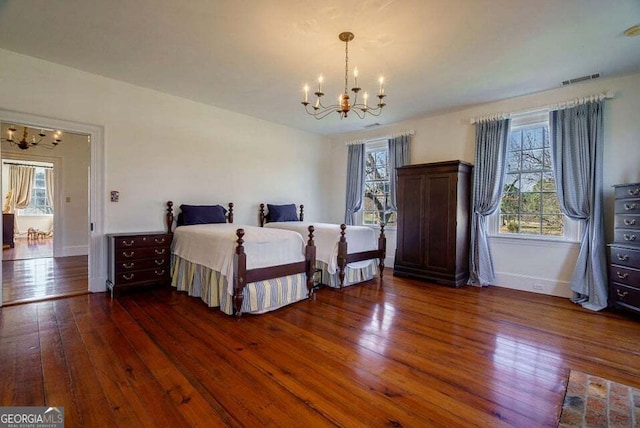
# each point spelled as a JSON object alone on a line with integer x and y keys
{"x": 282, "y": 212}
{"x": 202, "y": 214}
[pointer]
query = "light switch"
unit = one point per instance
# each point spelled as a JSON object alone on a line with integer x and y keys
{"x": 68, "y": 199}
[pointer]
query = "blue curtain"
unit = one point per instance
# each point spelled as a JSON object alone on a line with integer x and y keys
{"x": 488, "y": 177}
{"x": 577, "y": 149}
{"x": 398, "y": 156}
{"x": 355, "y": 182}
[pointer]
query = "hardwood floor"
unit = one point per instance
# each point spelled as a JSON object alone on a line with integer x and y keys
{"x": 404, "y": 354}
{"x": 44, "y": 278}
{"x": 28, "y": 249}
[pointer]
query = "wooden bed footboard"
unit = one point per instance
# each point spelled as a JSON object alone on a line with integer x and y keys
{"x": 242, "y": 276}
{"x": 344, "y": 258}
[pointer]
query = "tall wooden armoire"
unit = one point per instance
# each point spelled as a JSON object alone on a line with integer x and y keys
{"x": 433, "y": 222}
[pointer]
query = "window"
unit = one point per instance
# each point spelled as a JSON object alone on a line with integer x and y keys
{"x": 529, "y": 204}
{"x": 376, "y": 207}
{"x": 39, "y": 204}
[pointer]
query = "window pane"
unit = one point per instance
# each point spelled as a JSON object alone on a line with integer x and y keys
{"x": 550, "y": 204}
{"x": 510, "y": 203}
{"x": 532, "y": 160}
{"x": 553, "y": 225}
{"x": 377, "y": 188}
{"x": 513, "y": 161}
{"x": 515, "y": 140}
{"x": 509, "y": 223}
{"x": 530, "y": 181}
{"x": 529, "y": 204}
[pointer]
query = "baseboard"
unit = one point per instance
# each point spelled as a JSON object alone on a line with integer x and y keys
{"x": 534, "y": 284}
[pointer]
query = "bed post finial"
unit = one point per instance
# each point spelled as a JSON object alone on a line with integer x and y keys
{"x": 169, "y": 216}
{"x": 230, "y": 214}
{"x": 239, "y": 274}
{"x": 382, "y": 248}
{"x": 301, "y": 212}
{"x": 261, "y": 215}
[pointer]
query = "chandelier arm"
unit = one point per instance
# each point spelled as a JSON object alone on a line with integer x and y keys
{"x": 324, "y": 114}
{"x": 359, "y": 112}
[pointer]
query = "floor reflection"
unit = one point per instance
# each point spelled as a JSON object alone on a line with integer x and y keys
{"x": 375, "y": 334}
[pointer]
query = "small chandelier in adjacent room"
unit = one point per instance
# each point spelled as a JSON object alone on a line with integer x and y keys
{"x": 345, "y": 103}
{"x": 35, "y": 140}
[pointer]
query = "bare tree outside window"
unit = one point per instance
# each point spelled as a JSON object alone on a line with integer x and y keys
{"x": 376, "y": 188}
{"x": 529, "y": 203}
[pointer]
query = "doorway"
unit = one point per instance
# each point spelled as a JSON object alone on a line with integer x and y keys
{"x": 64, "y": 258}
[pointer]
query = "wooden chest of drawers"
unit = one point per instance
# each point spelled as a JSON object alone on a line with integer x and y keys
{"x": 138, "y": 259}
{"x": 624, "y": 269}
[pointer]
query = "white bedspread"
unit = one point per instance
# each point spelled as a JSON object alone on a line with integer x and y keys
{"x": 213, "y": 246}
{"x": 326, "y": 237}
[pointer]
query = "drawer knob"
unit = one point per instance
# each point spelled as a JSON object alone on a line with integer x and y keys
{"x": 159, "y": 240}
{"x": 629, "y": 237}
{"x": 159, "y": 262}
{"x": 159, "y": 252}
{"x": 622, "y": 275}
{"x": 629, "y": 222}
{"x": 128, "y": 254}
{"x": 630, "y": 207}
{"x": 622, "y": 257}
{"x": 128, "y": 265}
{"x": 621, "y": 294}
{"x": 159, "y": 272}
{"x": 634, "y": 192}
{"x": 128, "y": 277}
{"x": 127, "y": 244}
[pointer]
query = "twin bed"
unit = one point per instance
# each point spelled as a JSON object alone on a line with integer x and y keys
{"x": 341, "y": 263}
{"x": 254, "y": 269}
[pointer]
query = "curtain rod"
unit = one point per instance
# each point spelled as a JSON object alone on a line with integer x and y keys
{"x": 558, "y": 106}
{"x": 27, "y": 164}
{"x": 384, "y": 137}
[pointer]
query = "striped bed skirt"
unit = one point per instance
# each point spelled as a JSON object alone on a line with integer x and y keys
{"x": 213, "y": 288}
{"x": 351, "y": 276}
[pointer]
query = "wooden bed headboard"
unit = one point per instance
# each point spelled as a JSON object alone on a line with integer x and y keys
{"x": 262, "y": 217}
{"x": 169, "y": 217}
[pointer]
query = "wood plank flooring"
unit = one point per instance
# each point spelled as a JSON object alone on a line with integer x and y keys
{"x": 28, "y": 249}
{"x": 36, "y": 279}
{"x": 402, "y": 354}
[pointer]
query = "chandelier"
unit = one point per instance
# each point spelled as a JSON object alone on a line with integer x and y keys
{"x": 345, "y": 104}
{"x": 35, "y": 141}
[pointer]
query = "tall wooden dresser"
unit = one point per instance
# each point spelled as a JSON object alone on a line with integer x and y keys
{"x": 138, "y": 259}
{"x": 624, "y": 270}
{"x": 433, "y": 222}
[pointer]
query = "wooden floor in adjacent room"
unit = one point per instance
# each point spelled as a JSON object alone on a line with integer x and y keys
{"x": 404, "y": 354}
{"x": 31, "y": 273}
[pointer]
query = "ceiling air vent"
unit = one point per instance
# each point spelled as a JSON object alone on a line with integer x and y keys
{"x": 372, "y": 125}
{"x": 580, "y": 79}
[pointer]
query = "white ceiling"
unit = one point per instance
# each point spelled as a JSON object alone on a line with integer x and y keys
{"x": 254, "y": 57}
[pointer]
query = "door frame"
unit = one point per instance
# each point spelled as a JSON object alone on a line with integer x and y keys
{"x": 97, "y": 250}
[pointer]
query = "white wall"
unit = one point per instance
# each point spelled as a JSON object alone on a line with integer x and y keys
{"x": 160, "y": 147}
{"x": 451, "y": 136}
